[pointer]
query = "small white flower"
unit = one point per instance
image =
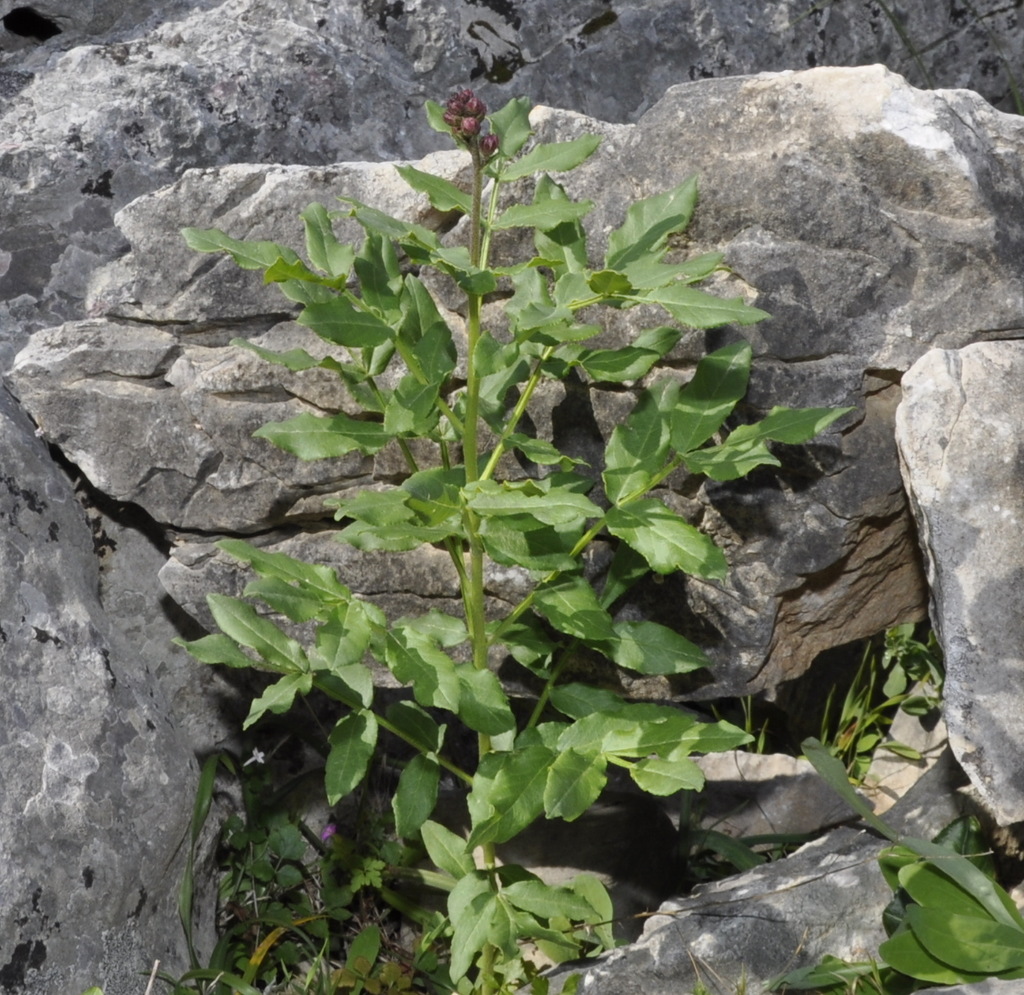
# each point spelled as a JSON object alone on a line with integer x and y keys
{"x": 258, "y": 757}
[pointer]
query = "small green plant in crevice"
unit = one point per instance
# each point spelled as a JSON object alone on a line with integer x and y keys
{"x": 949, "y": 922}
{"x": 397, "y": 355}
{"x": 906, "y": 676}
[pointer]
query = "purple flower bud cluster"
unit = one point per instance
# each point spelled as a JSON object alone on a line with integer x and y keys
{"x": 464, "y": 113}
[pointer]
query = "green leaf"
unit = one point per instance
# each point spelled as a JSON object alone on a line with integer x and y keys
{"x": 650, "y": 648}
{"x": 730, "y": 461}
{"x": 565, "y": 245}
{"x": 666, "y": 777}
{"x": 665, "y": 540}
{"x": 416, "y": 795}
{"x": 698, "y": 309}
{"x": 217, "y": 648}
{"x": 239, "y": 621}
{"x": 579, "y": 700}
{"x": 435, "y": 117}
{"x": 324, "y": 250}
{"x": 540, "y": 451}
{"x": 627, "y": 568}
{"x": 416, "y": 726}
{"x": 313, "y": 437}
{"x": 631, "y": 362}
{"x": 570, "y": 605}
{"x": 574, "y": 782}
{"x": 293, "y": 603}
{"x": 546, "y": 215}
{"x": 508, "y": 793}
{"x": 517, "y": 541}
{"x": 637, "y": 450}
{"x": 647, "y": 273}
{"x": 427, "y": 332}
{"x": 546, "y": 901}
{"x": 247, "y": 255}
{"x": 710, "y": 737}
{"x": 393, "y": 538}
{"x": 343, "y": 323}
{"x": 718, "y": 383}
{"x": 319, "y": 580}
{"x": 512, "y": 125}
{"x": 472, "y": 909}
{"x": 524, "y": 498}
{"x": 554, "y": 157}
{"x": 352, "y": 743}
{"x": 443, "y": 194}
{"x": 417, "y": 661}
{"x": 789, "y": 425}
{"x": 297, "y": 272}
{"x": 294, "y": 359}
{"x": 412, "y": 409}
{"x": 279, "y": 697}
{"x": 649, "y": 223}
{"x": 483, "y": 705}
{"x": 446, "y": 850}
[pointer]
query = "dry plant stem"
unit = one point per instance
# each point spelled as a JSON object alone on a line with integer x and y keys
{"x": 152, "y": 977}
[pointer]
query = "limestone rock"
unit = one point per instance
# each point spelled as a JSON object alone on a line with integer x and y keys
{"x": 959, "y": 428}
{"x": 96, "y": 781}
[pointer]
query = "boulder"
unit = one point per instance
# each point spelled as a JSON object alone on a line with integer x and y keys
{"x": 96, "y": 781}
{"x": 959, "y": 427}
{"x": 874, "y": 224}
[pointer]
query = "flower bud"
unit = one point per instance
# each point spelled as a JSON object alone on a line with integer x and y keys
{"x": 474, "y": 107}
{"x": 470, "y": 126}
{"x": 489, "y": 145}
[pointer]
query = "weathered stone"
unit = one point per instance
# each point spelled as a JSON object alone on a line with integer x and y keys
{"x": 96, "y": 781}
{"x": 959, "y": 429}
{"x": 874, "y": 224}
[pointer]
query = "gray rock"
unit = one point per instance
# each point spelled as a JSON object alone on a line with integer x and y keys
{"x": 876, "y": 223}
{"x": 959, "y": 427}
{"x": 96, "y": 781}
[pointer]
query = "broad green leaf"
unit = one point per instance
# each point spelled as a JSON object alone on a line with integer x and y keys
{"x": 709, "y": 737}
{"x": 364, "y": 946}
{"x": 314, "y": 437}
{"x": 292, "y": 602}
{"x": 315, "y": 578}
{"x": 352, "y": 743}
{"x": 591, "y": 890}
{"x": 443, "y": 194}
{"x": 730, "y": 461}
{"x": 627, "y": 568}
{"x": 472, "y": 909}
{"x": 343, "y": 323}
{"x": 217, "y": 648}
{"x": 540, "y": 451}
{"x": 380, "y": 276}
{"x": 789, "y": 425}
{"x": 416, "y": 726}
{"x": 554, "y": 157}
{"x": 294, "y": 359}
{"x": 637, "y": 450}
{"x": 247, "y": 255}
{"x": 699, "y": 309}
{"x": 648, "y": 273}
{"x": 630, "y": 362}
{"x": 570, "y": 605}
{"x": 415, "y": 660}
{"x": 526, "y": 640}
{"x": 324, "y": 250}
{"x": 377, "y": 507}
{"x": 609, "y": 283}
{"x": 435, "y": 494}
{"x": 574, "y": 782}
{"x": 650, "y": 648}
{"x": 416, "y": 795}
{"x": 579, "y": 700}
{"x": 508, "y": 793}
{"x": 666, "y": 777}
{"x": 279, "y": 697}
{"x": 483, "y": 705}
{"x": 427, "y": 332}
{"x": 517, "y": 541}
{"x": 239, "y": 621}
{"x": 928, "y": 886}
{"x": 648, "y": 224}
{"x": 393, "y": 538}
{"x": 456, "y": 263}
{"x": 512, "y": 125}
{"x": 412, "y": 409}
{"x": 546, "y": 215}
{"x": 435, "y": 117}
{"x": 546, "y": 901}
{"x": 524, "y": 498}
{"x": 378, "y": 222}
{"x": 565, "y": 245}
{"x": 904, "y": 952}
{"x": 718, "y": 383}
{"x": 343, "y": 640}
{"x": 446, "y": 850}
{"x": 297, "y": 271}
{"x": 665, "y": 540}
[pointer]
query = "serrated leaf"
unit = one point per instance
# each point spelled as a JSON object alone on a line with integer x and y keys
{"x": 571, "y": 606}
{"x": 649, "y": 223}
{"x": 240, "y": 621}
{"x": 574, "y": 782}
{"x": 665, "y": 540}
{"x": 552, "y": 157}
{"x": 718, "y": 383}
{"x": 247, "y": 255}
{"x": 314, "y": 437}
{"x": 483, "y": 705}
{"x": 446, "y": 850}
{"x": 544, "y": 215}
{"x": 443, "y": 194}
{"x": 279, "y": 697}
{"x": 324, "y": 250}
{"x": 638, "y": 448}
{"x": 510, "y": 789}
{"x": 341, "y": 322}
{"x": 415, "y": 660}
{"x": 416, "y": 795}
{"x": 650, "y": 648}
{"x": 352, "y": 742}
{"x": 666, "y": 777}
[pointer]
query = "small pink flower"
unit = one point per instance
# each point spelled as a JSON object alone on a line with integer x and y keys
{"x": 328, "y": 831}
